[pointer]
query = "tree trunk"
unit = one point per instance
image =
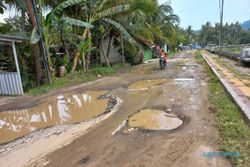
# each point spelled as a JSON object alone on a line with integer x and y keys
{"x": 122, "y": 45}
{"x": 79, "y": 52}
{"x": 84, "y": 61}
{"x": 38, "y": 67}
{"x": 89, "y": 52}
{"x": 109, "y": 44}
{"x": 46, "y": 42}
{"x": 75, "y": 61}
{"x": 22, "y": 22}
{"x": 36, "y": 50}
{"x": 104, "y": 53}
{"x": 61, "y": 37}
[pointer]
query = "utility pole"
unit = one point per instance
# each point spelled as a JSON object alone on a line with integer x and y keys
{"x": 44, "y": 55}
{"x": 221, "y": 25}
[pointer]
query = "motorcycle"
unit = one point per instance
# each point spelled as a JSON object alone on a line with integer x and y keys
{"x": 162, "y": 63}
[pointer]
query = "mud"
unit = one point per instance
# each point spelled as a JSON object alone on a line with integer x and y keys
{"x": 107, "y": 145}
{"x": 60, "y": 110}
{"x": 151, "y": 119}
{"x": 145, "y": 84}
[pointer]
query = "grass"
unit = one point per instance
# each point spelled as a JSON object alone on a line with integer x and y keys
{"x": 232, "y": 50}
{"x": 231, "y": 68}
{"x": 233, "y": 129}
{"x": 76, "y": 78}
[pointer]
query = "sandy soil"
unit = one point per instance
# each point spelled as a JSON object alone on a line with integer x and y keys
{"x": 110, "y": 142}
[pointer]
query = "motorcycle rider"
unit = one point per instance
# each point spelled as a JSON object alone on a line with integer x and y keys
{"x": 163, "y": 59}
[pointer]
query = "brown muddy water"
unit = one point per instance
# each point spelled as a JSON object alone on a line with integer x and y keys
{"x": 151, "y": 119}
{"x": 60, "y": 110}
{"x": 145, "y": 84}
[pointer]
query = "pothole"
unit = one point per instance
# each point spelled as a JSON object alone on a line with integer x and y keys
{"x": 152, "y": 119}
{"x": 145, "y": 84}
{"x": 61, "y": 110}
{"x": 183, "y": 79}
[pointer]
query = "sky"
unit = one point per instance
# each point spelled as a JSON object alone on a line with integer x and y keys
{"x": 198, "y": 12}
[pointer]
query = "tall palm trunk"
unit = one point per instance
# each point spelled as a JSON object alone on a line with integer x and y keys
{"x": 36, "y": 47}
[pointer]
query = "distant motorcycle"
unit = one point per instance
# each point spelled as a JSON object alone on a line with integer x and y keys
{"x": 162, "y": 63}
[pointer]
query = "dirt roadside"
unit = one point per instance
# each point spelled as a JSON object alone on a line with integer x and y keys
{"x": 112, "y": 143}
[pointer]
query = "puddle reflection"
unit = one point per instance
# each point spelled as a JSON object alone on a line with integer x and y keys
{"x": 64, "y": 109}
{"x": 151, "y": 119}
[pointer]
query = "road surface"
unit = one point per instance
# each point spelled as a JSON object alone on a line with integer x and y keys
{"x": 180, "y": 90}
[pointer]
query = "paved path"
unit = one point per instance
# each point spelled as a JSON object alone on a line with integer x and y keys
{"x": 238, "y": 87}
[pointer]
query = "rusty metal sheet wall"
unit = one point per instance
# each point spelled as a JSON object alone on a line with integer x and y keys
{"x": 10, "y": 84}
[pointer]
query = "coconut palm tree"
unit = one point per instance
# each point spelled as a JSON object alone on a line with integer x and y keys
{"x": 154, "y": 26}
{"x": 19, "y": 6}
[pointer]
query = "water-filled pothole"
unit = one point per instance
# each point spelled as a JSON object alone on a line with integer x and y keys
{"x": 152, "y": 119}
{"x": 60, "y": 110}
{"x": 145, "y": 84}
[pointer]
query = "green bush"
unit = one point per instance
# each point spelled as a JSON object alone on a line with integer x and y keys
{"x": 103, "y": 70}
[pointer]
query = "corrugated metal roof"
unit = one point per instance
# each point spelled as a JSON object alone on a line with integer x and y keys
{"x": 5, "y": 39}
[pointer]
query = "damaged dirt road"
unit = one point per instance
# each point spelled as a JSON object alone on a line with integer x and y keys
{"x": 162, "y": 119}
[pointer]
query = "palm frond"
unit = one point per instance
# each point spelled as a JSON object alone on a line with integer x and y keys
{"x": 76, "y": 22}
{"x": 113, "y": 10}
{"x": 59, "y": 8}
{"x": 121, "y": 29}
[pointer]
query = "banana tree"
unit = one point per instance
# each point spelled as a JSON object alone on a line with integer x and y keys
{"x": 93, "y": 12}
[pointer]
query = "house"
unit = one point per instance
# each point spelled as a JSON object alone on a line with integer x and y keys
{"x": 114, "y": 56}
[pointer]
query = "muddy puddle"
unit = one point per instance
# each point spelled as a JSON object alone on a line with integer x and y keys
{"x": 60, "y": 110}
{"x": 145, "y": 84}
{"x": 151, "y": 119}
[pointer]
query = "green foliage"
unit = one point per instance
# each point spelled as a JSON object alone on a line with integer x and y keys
{"x": 76, "y": 22}
{"x": 245, "y": 37}
{"x": 187, "y": 36}
{"x": 34, "y": 36}
{"x": 103, "y": 70}
{"x": 59, "y": 9}
{"x": 149, "y": 7}
{"x": 75, "y": 78}
{"x": 121, "y": 29}
{"x": 232, "y": 49}
{"x": 80, "y": 25}
{"x": 113, "y": 11}
{"x": 232, "y": 34}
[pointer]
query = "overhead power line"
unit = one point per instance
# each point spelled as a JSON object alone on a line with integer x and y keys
{"x": 197, "y": 7}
